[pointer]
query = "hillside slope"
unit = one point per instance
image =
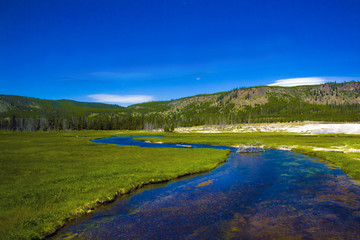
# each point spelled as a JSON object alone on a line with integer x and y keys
{"x": 325, "y": 94}
{"x": 326, "y": 102}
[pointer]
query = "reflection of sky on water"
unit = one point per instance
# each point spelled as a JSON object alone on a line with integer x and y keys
{"x": 271, "y": 195}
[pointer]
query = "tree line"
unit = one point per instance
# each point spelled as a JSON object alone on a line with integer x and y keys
{"x": 194, "y": 114}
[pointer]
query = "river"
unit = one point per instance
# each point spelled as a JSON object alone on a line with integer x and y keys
{"x": 271, "y": 195}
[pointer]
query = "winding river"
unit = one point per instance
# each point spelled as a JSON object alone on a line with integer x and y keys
{"x": 271, "y": 195}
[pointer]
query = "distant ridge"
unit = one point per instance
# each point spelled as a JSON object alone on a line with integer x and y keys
{"x": 13, "y": 103}
{"x": 325, "y": 102}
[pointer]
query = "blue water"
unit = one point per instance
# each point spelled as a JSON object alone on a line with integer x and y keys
{"x": 128, "y": 141}
{"x": 271, "y": 195}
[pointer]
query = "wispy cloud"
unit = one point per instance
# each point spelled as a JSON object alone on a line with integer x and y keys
{"x": 291, "y": 82}
{"x": 120, "y": 99}
{"x": 145, "y": 75}
{"x": 71, "y": 79}
{"x": 120, "y": 75}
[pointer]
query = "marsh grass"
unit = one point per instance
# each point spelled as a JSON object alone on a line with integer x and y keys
{"x": 48, "y": 178}
{"x": 348, "y": 162}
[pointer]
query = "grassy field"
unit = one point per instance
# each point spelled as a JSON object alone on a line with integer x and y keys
{"x": 348, "y": 162}
{"x": 50, "y": 178}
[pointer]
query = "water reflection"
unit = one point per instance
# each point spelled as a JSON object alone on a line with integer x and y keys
{"x": 271, "y": 195}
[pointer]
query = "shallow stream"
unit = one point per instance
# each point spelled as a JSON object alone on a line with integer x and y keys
{"x": 271, "y": 195}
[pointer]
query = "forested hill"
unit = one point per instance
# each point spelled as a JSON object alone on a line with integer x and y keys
{"x": 32, "y": 106}
{"x": 325, "y": 94}
{"x": 325, "y": 102}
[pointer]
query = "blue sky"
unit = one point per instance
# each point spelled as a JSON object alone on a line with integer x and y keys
{"x": 127, "y": 51}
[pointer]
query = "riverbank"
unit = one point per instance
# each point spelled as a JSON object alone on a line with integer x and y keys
{"x": 48, "y": 178}
{"x": 275, "y": 195}
{"x": 342, "y": 150}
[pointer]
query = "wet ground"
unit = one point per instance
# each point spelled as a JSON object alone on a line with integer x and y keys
{"x": 271, "y": 195}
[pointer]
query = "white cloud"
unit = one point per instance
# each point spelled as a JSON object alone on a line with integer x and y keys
{"x": 291, "y": 82}
{"x": 120, "y": 99}
{"x": 198, "y": 78}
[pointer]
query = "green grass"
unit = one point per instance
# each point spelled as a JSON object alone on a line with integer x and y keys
{"x": 50, "y": 178}
{"x": 348, "y": 162}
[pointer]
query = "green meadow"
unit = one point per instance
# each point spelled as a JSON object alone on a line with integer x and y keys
{"x": 49, "y": 178}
